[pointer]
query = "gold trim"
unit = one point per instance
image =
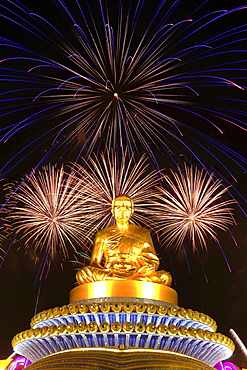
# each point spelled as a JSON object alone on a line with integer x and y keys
{"x": 127, "y": 327}
{"x": 112, "y": 359}
{"x": 115, "y": 288}
{"x": 5, "y": 363}
{"x": 128, "y": 307}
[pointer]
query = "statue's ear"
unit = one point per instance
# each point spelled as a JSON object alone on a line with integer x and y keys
{"x": 112, "y": 206}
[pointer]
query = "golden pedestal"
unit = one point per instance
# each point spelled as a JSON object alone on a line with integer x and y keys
{"x": 127, "y": 289}
{"x": 122, "y": 325}
{"x": 113, "y": 359}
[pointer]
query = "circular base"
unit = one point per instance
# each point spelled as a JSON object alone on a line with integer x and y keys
{"x": 106, "y": 359}
{"x": 118, "y": 288}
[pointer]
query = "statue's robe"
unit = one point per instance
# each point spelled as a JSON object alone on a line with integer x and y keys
{"x": 127, "y": 254}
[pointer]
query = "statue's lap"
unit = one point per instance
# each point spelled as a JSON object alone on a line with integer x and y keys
{"x": 89, "y": 274}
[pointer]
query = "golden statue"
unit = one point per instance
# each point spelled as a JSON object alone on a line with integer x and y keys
{"x": 123, "y": 251}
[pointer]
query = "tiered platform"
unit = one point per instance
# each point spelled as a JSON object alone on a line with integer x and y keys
{"x": 124, "y": 328}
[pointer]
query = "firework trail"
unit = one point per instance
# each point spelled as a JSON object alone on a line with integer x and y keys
{"x": 126, "y": 75}
{"x": 47, "y": 211}
{"x": 55, "y": 211}
{"x": 105, "y": 177}
{"x": 191, "y": 205}
{"x": 83, "y": 77}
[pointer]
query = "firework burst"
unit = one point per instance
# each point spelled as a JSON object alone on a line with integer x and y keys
{"x": 105, "y": 177}
{"x": 47, "y": 211}
{"x": 54, "y": 211}
{"x": 191, "y": 205}
{"x": 130, "y": 75}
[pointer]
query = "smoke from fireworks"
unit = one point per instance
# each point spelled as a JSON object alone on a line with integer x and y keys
{"x": 191, "y": 205}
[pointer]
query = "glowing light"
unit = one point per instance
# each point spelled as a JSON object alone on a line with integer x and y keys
{"x": 238, "y": 341}
{"x": 4, "y": 364}
{"x": 191, "y": 205}
{"x": 47, "y": 211}
{"x": 54, "y": 211}
{"x": 165, "y": 76}
{"x": 19, "y": 363}
{"x": 106, "y": 176}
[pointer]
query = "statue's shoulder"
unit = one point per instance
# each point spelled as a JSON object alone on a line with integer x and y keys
{"x": 139, "y": 229}
{"x": 104, "y": 232}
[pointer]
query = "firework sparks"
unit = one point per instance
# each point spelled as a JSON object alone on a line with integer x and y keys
{"x": 115, "y": 90}
{"x": 54, "y": 210}
{"x": 192, "y": 207}
{"x": 106, "y": 177}
{"x": 47, "y": 211}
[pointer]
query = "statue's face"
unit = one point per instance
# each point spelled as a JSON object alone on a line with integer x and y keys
{"x": 122, "y": 209}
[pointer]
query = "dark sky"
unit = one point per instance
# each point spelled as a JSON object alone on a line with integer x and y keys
{"x": 222, "y": 295}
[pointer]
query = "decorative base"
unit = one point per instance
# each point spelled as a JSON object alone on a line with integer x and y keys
{"x": 118, "y": 288}
{"x": 113, "y": 359}
{"x": 124, "y": 325}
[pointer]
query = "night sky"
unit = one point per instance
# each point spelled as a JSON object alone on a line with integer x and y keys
{"x": 214, "y": 283}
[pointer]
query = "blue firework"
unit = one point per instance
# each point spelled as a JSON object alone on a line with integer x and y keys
{"x": 158, "y": 77}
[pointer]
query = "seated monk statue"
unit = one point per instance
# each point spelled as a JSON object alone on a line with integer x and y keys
{"x": 123, "y": 251}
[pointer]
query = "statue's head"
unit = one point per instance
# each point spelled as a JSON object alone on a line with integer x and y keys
{"x": 122, "y": 207}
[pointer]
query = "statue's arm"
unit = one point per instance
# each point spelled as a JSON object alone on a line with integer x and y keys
{"x": 97, "y": 253}
{"x": 149, "y": 254}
